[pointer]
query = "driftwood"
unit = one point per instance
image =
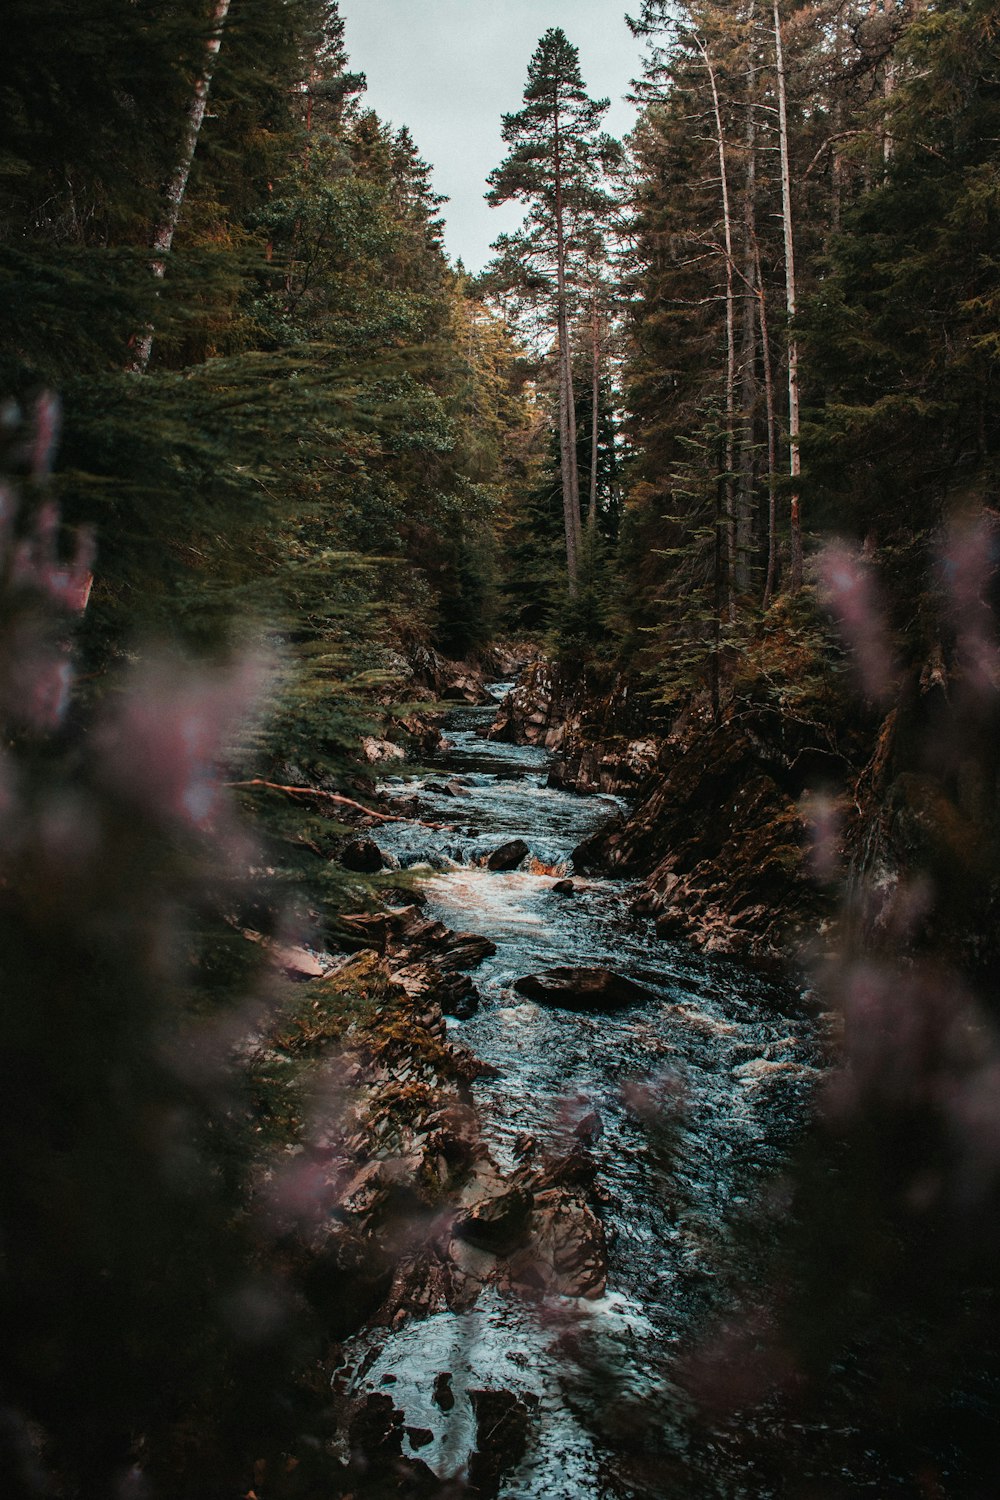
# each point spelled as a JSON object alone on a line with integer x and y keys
{"x": 321, "y": 796}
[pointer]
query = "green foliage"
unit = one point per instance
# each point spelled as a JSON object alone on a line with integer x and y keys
{"x": 902, "y": 334}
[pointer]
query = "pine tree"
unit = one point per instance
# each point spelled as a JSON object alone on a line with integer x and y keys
{"x": 556, "y": 166}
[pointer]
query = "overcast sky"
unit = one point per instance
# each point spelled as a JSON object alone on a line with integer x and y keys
{"x": 449, "y": 68}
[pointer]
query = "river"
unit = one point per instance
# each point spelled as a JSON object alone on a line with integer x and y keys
{"x": 700, "y": 1093}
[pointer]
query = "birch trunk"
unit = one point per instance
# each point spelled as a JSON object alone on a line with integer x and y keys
{"x": 727, "y": 227}
{"x": 772, "y": 439}
{"x": 748, "y": 355}
{"x": 794, "y": 457}
{"x": 163, "y": 235}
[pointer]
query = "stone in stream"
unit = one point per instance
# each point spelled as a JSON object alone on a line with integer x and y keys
{"x": 497, "y": 1224}
{"x": 508, "y": 856}
{"x": 564, "y": 888}
{"x": 362, "y": 855}
{"x": 589, "y": 1128}
{"x": 443, "y": 1396}
{"x": 582, "y": 989}
{"x": 503, "y": 1421}
{"x": 452, "y": 788}
{"x": 457, "y": 996}
{"x": 407, "y": 934}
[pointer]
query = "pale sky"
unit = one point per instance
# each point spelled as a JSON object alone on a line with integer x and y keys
{"x": 450, "y": 68}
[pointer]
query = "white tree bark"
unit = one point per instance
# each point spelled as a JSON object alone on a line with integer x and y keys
{"x": 727, "y": 228}
{"x": 794, "y": 456}
{"x": 163, "y": 235}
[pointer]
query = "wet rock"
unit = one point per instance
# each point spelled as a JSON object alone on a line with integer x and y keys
{"x": 503, "y": 1422}
{"x": 564, "y": 888}
{"x": 362, "y": 855}
{"x": 589, "y": 1128}
{"x": 424, "y": 731}
{"x": 457, "y": 789}
{"x": 453, "y": 1132}
{"x": 567, "y": 1252}
{"x": 419, "y": 1436}
{"x": 590, "y": 857}
{"x": 407, "y": 934}
{"x": 455, "y": 682}
{"x": 498, "y": 1224}
{"x": 718, "y": 834}
{"x": 466, "y": 950}
{"x": 576, "y": 1173}
{"x": 458, "y": 996}
{"x": 377, "y": 752}
{"x": 582, "y": 989}
{"x": 614, "y": 766}
{"x": 376, "y": 1431}
{"x": 443, "y": 1396}
{"x": 298, "y": 963}
{"x": 508, "y": 856}
{"x": 465, "y": 688}
{"x": 454, "y": 993}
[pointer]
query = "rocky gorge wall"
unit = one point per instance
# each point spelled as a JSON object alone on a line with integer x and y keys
{"x": 775, "y": 831}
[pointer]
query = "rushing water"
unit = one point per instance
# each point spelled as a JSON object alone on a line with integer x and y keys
{"x": 699, "y": 1093}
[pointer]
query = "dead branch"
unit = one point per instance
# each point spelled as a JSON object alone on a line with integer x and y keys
{"x": 317, "y": 794}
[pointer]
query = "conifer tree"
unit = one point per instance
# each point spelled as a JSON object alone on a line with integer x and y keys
{"x": 556, "y": 167}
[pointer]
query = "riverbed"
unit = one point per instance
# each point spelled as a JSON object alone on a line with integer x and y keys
{"x": 698, "y": 1092}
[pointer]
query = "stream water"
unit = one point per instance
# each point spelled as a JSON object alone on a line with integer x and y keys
{"x": 700, "y": 1092}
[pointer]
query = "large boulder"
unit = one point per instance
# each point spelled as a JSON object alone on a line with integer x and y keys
{"x": 405, "y": 933}
{"x": 583, "y": 989}
{"x": 503, "y": 1424}
{"x": 362, "y": 855}
{"x": 497, "y": 1224}
{"x": 508, "y": 856}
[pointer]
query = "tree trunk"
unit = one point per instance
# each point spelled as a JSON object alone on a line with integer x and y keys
{"x": 794, "y": 457}
{"x": 727, "y": 226}
{"x": 163, "y": 235}
{"x": 595, "y": 394}
{"x": 772, "y": 440}
{"x": 567, "y": 412}
{"x": 748, "y": 357}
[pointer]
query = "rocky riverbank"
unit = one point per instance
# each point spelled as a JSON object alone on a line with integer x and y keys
{"x": 380, "y": 1185}
{"x": 718, "y": 829}
{"x": 774, "y": 827}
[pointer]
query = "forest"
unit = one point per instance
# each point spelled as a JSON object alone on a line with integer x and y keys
{"x": 500, "y": 772}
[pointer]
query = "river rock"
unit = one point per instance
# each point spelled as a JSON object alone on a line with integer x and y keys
{"x": 503, "y": 1421}
{"x": 457, "y": 996}
{"x": 567, "y": 1252}
{"x": 508, "y": 856}
{"x": 589, "y": 1128}
{"x": 497, "y": 1224}
{"x": 443, "y": 1396}
{"x": 362, "y": 855}
{"x": 564, "y": 888}
{"x": 407, "y": 935}
{"x": 465, "y": 687}
{"x": 582, "y": 989}
{"x": 377, "y": 752}
{"x": 454, "y": 681}
{"x": 298, "y": 963}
